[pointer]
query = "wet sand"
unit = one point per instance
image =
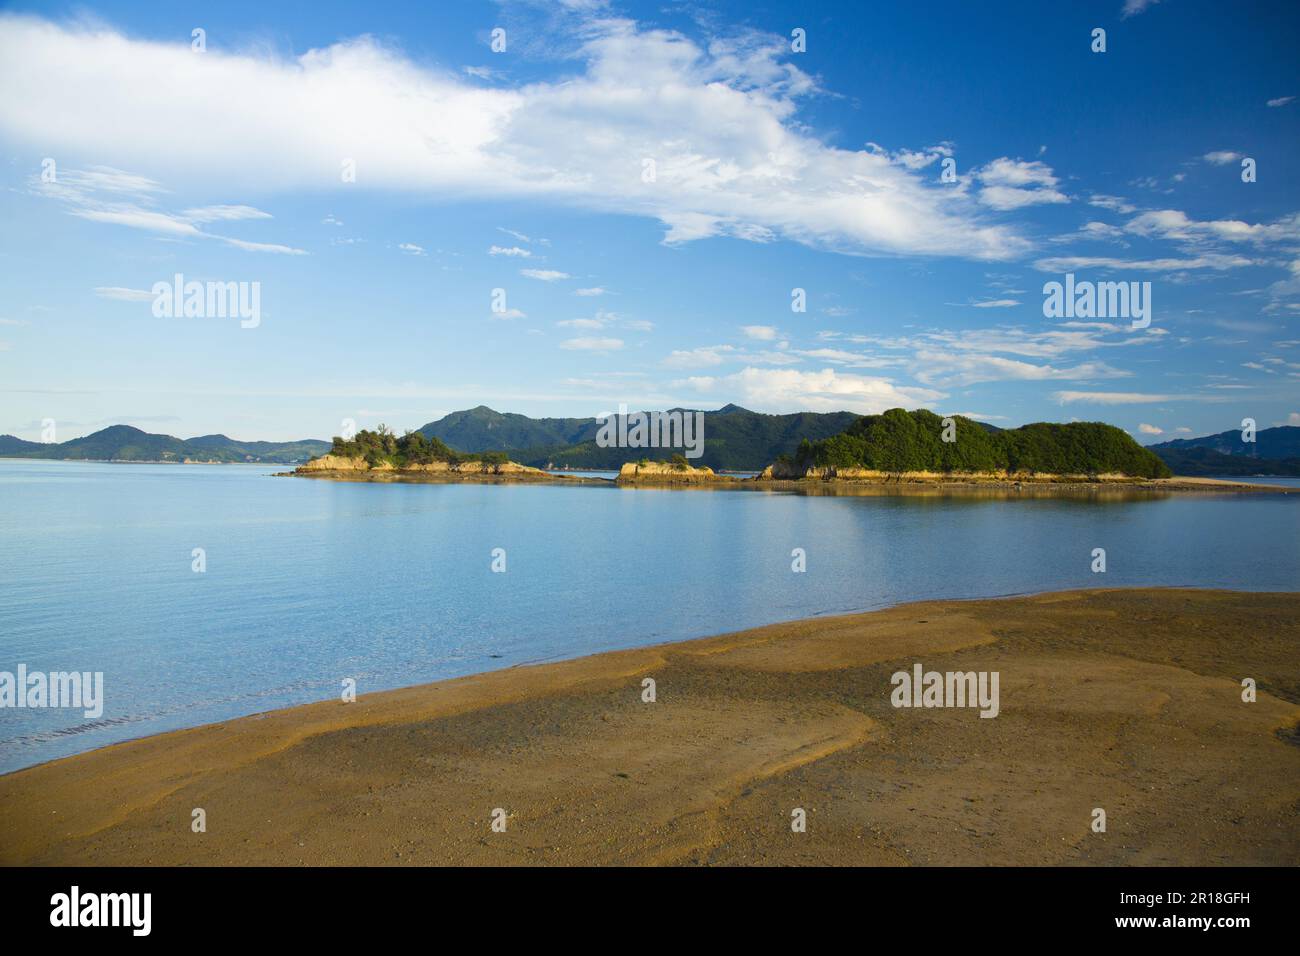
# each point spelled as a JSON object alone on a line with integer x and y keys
{"x": 1127, "y": 700}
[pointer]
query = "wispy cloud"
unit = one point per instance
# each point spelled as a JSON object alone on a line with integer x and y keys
{"x": 718, "y": 119}
{"x": 106, "y": 195}
{"x": 592, "y": 344}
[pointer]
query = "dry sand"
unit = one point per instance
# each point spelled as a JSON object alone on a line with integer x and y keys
{"x": 1127, "y": 700}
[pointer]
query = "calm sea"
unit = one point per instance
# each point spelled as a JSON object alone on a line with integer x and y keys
{"x": 310, "y": 582}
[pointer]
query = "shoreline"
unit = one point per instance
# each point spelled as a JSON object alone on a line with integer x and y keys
{"x": 1138, "y": 487}
{"x": 743, "y": 724}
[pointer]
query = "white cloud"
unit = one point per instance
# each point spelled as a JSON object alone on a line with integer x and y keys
{"x": 1133, "y": 7}
{"x": 141, "y": 219}
{"x": 952, "y": 370}
{"x": 719, "y": 118}
{"x": 545, "y": 275}
{"x": 1176, "y": 225}
{"x": 594, "y": 290}
{"x": 1146, "y": 429}
{"x": 587, "y": 344}
{"x": 700, "y": 357}
{"x": 264, "y": 246}
{"x": 996, "y": 304}
{"x": 106, "y": 195}
{"x": 1113, "y": 203}
{"x": 1013, "y": 183}
{"x": 581, "y": 324}
{"x": 411, "y": 249}
{"x": 765, "y": 333}
{"x": 217, "y": 213}
{"x": 124, "y": 295}
{"x": 1222, "y": 157}
{"x": 1094, "y": 232}
{"x": 789, "y": 390}
{"x": 509, "y": 251}
{"x": 1117, "y": 398}
{"x": 1071, "y": 263}
{"x": 1281, "y": 101}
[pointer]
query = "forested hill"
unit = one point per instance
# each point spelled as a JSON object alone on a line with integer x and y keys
{"x": 735, "y": 438}
{"x": 899, "y": 441}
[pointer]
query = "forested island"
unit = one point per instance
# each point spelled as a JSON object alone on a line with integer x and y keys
{"x": 921, "y": 442}
{"x": 897, "y": 449}
{"x": 382, "y": 447}
{"x": 382, "y": 455}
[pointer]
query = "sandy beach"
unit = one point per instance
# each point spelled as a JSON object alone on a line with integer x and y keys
{"x": 1125, "y": 700}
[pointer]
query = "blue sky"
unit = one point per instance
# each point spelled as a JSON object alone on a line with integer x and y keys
{"x": 525, "y": 171}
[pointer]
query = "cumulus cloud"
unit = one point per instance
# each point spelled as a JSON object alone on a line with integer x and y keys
{"x": 1176, "y": 225}
{"x": 1146, "y": 429}
{"x": 719, "y": 119}
{"x": 789, "y": 390}
{"x": 1012, "y": 183}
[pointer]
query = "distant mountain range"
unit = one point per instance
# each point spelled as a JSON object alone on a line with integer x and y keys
{"x": 735, "y": 439}
{"x": 125, "y": 443}
{"x": 1275, "y": 451}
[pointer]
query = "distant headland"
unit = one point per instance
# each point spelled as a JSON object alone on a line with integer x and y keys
{"x": 736, "y": 439}
{"x": 896, "y": 448}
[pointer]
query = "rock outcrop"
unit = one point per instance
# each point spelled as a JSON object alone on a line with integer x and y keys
{"x": 343, "y": 466}
{"x": 668, "y": 473}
